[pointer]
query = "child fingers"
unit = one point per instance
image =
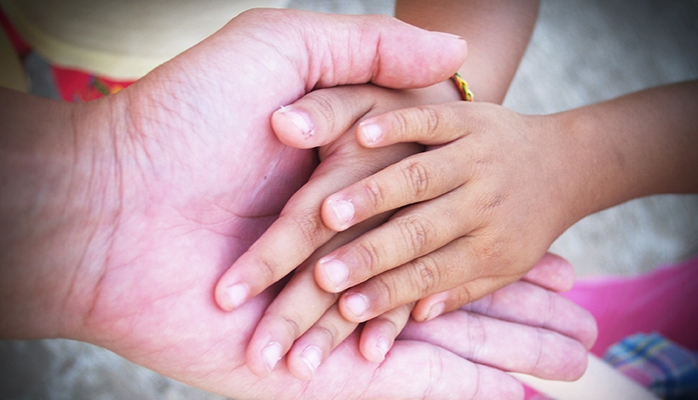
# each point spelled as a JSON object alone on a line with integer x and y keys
{"x": 379, "y": 333}
{"x": 322, "y": 115}
{"x": 520, "y": 302}
{"x": 297, "y": 307}
{"x": 296, "y": 234}
{"x": 285, "y": 245}
{"x": 316, "y": 344}
{"x": 432, "y": 273}
{"x": 415, "y": 179}
{"x": 410, "y": 234}
{"x": 429, "y": 125}
{"x": 552, "y": 272}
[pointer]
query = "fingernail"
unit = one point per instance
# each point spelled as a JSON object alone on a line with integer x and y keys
{"x": 312, "y": 357}
{"x": 343, "y": 210}
{"x": 300, "y": 119}
{"x": 271, "y": 355}
{"x": 447, "y": 35}
{"x": 383, "y": 345}
{"x": 236, "y": 294}
{"x": 435, "y": 311}
{"x": 336, "y": 271}
{"x": 357, "y": 304}
{"x": 371, "y": 132}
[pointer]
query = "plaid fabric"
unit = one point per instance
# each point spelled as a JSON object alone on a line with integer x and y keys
{"x": 667, "y": 369}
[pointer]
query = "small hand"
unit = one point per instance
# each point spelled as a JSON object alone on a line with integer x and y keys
{"x": 548, "y": 335}
{"x": 476, "y": 210}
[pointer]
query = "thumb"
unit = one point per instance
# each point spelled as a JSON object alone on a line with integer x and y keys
{"x": 330, "y": 50}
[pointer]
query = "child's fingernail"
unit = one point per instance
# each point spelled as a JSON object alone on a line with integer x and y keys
{"x": 357, "y": 304}
{"x": 371, "y": 132}
{"x": 343, "y": 210}
{"x": 336, "y": 271}
{"x": 301, "y": 120}
{"x": 446, "y": 35}
{"x": 312, "y": 357}
{"x": 435, "y": 311}
{"x": 271, "y": 355}
{"x": 236, "y": 295}
{"x": 383, "y": 345}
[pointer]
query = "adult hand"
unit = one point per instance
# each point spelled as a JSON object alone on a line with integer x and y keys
{"x": 149, "y": 195}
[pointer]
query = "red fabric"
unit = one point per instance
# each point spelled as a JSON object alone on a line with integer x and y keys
{"x": 74, "y": 85}
{"x": 20, "y": 45}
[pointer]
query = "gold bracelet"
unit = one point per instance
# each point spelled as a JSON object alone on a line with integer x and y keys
{"x": 463, "y": 87}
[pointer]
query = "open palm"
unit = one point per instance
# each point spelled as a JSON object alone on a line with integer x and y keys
{"x": 198, "y": 176}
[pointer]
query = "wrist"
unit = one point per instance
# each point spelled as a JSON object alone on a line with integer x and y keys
{"x": 57, "y": 201}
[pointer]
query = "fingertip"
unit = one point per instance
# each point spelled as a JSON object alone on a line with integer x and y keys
{"x": 337, "y": 214}
{"x": 304, "y": 363}
{"x": 331, "y": 274}
{"x": 262, "y": 361}
{"x": 294, "y": 127}
{"x": 231, "y": 296}
{"x": 430, "y": 307}
{"x": 354, "y": 307}
{"x": 375, "y": 349}
{"x": 369, "y": 134}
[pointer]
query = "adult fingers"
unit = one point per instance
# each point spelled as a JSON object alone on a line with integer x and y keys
{"x": 413, "y": 369}
{"x": 342, "y": 49}
{"x": 509, "y": 346}
{"x": 551, "y": 272}
{"x": 521, "y": 302}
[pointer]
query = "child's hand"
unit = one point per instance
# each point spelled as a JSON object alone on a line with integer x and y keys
{"x": 521, "y": 328}
{"x": 479, "y": 208}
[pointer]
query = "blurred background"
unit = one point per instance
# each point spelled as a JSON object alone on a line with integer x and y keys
{"x": 582, "y": 52}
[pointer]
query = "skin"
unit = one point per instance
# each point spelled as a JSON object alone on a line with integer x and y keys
{"x": 120, "y": 215}
{"x": 497, "y": 33}
{"x": 547, "y": 172}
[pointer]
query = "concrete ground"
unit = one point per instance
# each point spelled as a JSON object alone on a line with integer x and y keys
{"x": 582, "y": 52}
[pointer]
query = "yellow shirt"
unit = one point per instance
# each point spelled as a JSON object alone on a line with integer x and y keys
{"x": 120, "y": 39}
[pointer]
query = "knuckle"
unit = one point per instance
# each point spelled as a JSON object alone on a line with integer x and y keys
{"x": 426, "y": 276}
{"x": 374, "y": 193}
{"x": 401, "y": 122}
{"x": 462, "y": 296}
{"x": 416, "y": 176}
{"x": 329, "y": 332}
{"x": 291, "y": 326}
{"x": 429, "y": 121}
{"x": 269, "y": 270}
{"x": 388, "y": 289}
{"x": 416, "y": 233}
{"x": 310, "y": 227}
{"x": 323, "y": 105}
{"x": 369, "y": 255}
